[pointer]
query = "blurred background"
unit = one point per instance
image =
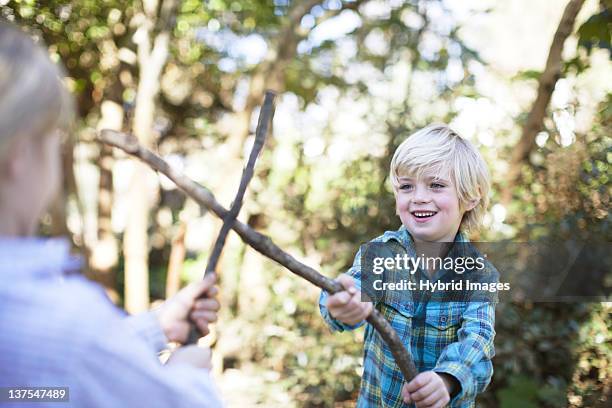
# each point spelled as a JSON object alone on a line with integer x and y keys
{"x": 528, "y": 81}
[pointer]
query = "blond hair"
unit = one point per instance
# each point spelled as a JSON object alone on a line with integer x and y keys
{"x": 439, "y": 151}
{"x": 33, "y": 100}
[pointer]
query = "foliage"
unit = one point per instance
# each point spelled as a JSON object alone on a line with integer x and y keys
{"x": 554, "y": 362}
{"x": 322, "y": 190}
{"x": 597, "y": 30}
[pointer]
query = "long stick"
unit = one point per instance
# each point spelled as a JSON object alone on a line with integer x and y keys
{"x": 259, "y": 242}
{"x": 265, "y": 116}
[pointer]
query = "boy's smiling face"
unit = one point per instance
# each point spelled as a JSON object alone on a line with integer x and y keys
{"x": 429, "y": 208}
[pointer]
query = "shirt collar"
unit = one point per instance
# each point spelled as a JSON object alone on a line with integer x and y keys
{"x": 36, "y": 257}
{"x": 405, "y": 239}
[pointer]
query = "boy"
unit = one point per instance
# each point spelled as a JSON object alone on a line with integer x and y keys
{"x": 441, "y": 184}
{"x": 56, "y": 328}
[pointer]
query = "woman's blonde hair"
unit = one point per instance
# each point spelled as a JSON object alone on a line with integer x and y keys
{"x": 439, "y": 151}
{"x": 33, "y": 100}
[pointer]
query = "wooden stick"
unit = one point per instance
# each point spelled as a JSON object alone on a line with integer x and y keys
{"x": 267, "y": 111}
{"x": 265, "y": 116}
{"x": 259, "y": 242}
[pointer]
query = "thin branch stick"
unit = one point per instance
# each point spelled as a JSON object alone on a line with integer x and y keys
{"x": 259, "y": 242}
{"x": 267, "y": 110}
{"x": 265, "y": 116}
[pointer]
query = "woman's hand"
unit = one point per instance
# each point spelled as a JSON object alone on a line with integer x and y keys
{"x": 196, "y": 302}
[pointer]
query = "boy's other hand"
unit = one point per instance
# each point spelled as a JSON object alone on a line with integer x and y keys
{"x": 192, "y": 355}
{"x": 429, "y": 390}
{"x": 196, "y": 302}
{"x": 346, "y": 305}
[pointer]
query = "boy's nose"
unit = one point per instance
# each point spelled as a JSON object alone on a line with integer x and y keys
{"x": 420, "y": 195}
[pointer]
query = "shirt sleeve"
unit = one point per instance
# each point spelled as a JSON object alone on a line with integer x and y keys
{"x": 334, "y": 324}
{"x": 119, "y": 368}
{"x": 469, "y": 359}
{"x": 146, "y": 326}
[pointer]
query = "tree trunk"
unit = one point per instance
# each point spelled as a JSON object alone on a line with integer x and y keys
{"x": 136, "y": 243}
{"x": 151, "y": 61}
{"x": 105, "y": 251}
{"x": 59, "y": 226}
{"x": 546, "y": 86}
{"x": 175, "y": 264}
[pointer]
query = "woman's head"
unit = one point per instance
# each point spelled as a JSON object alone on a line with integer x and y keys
{"x": 34, "y": 101}
{"x": 35, "y": 109}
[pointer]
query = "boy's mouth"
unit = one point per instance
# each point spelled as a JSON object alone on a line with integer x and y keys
{"x": 422, "y": 216}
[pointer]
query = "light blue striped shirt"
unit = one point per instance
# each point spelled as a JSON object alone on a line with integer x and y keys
{"x": 57, "y": 329}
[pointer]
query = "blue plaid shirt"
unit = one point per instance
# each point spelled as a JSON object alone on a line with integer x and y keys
{"x": 445, "y": 337}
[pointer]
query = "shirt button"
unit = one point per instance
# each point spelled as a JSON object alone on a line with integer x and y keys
{"x": 442, "y": 319}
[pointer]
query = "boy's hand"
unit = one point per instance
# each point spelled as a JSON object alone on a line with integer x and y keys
{"x": 429, "y": 390}
{"x": 196, "y": 302}
{"x": 346, "y": 305}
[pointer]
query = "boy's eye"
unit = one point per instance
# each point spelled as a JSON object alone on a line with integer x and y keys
{"x": 437, "y": 185}
{"x": 406, "y": 187}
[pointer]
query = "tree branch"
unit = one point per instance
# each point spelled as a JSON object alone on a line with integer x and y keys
{"x": 546, "y": 86}
{"x": 259, "y": 242}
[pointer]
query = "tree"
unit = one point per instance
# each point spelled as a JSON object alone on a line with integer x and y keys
{"x": 546, "y": 85}
{"x": 152, "y": 37}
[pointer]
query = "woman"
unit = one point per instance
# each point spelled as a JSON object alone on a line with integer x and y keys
{"x": 56, "y": 328}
